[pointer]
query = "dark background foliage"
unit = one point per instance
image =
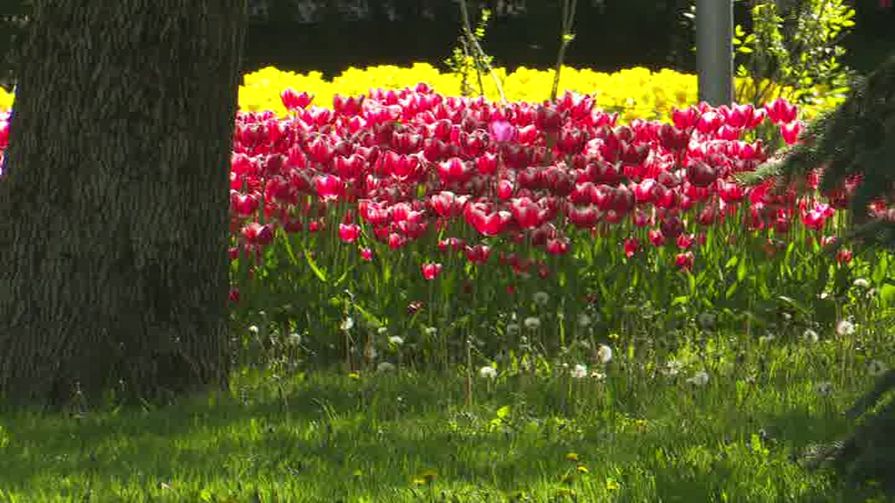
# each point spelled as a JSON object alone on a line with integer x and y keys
{"x": 330, "y": 35}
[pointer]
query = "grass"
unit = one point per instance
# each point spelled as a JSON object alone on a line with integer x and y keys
{"x": 324, "y": 435}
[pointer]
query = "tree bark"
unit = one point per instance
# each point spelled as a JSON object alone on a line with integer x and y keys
{"x": 113, "y": 210}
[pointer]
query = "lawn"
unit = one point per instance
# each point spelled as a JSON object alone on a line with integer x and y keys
{"x": 640, "y": 427}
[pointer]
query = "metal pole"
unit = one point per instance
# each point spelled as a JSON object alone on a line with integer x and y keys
{"x": 714, "y": 50}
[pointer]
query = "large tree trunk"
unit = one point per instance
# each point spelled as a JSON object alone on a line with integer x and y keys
{"x": 113, "y": 210}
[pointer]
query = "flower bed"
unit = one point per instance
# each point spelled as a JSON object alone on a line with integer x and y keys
{"x": 440, "y": 217}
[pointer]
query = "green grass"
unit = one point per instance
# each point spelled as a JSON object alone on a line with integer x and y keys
{"x": 324, "y": 435}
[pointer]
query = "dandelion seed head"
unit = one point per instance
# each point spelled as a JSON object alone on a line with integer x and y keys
{"x": 810, "y": 336}
{"x": 579, "y": 372}
{"x": 384, "y": 367}
{"x": 532, "y": 323}
{"x": 541, "y": 298}
{"x": 699, "y": 379}
{"x": 604, "y": 353}
{"x": 845, "y": 327}
{"x": 488, "y": 372}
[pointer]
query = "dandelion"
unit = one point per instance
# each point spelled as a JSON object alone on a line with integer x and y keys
{"x": 396, "y": 340}
{"x": 579, "y": 372}
{"x": 532, "y": 323}
{"x": 810, "y": 336}
{"x": 597, "y": 375}
{"x": 823, "y": 388}
{"x": 382, "y": 330}
{"x": 584, "y": 320}
{"x": 764, "y": 339}
{"x": 512, "y": 328}
{"x": 699, "y": 379}
{"x": 294, "y": 339}
{"x": 431, "y": 331}
{"x": 862, "y": 283}
{"x": 541, "y": 298}
{"x": 488, "y": 372}
{"x": 385, "y": 367}
{"x": 672, "y": 368}
{"x": 876, "y": 368}
{"x": 347, "y": 324}
{"x": 604, "y": 353}
{"x": 845, "y": 327}
{"x": 253, "y": 329}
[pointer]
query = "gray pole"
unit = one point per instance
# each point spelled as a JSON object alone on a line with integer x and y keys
{"x": 714, "y": 50}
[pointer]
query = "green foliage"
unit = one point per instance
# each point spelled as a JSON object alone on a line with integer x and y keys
{"x": 796, "y": 48}
{"x": 467, "y": 57}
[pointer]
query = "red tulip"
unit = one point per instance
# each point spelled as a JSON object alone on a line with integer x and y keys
{"x": 292, "y": 100}
{"x": 349, "y": 233}
{"x": 329, "y": 187}
{"x": 631, "y": 245}
{"x": 257, "y": 234}
{"x": 478, "y": 254}
{"x": 431, "y": 270}
{"x": 684, "y": 261}
{"x": 781, "y": 111}
{"x": 366, "y": 254}
{"x": 844, "y": 256}
{"x": 790, "y": 132}
{"x": 557, "y": 246}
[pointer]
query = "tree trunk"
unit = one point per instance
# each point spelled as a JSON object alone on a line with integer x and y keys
{"x": 113, "y": 210}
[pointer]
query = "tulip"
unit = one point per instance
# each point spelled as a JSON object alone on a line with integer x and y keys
{"x": 631, "y": 245}
{"x": 349, "y": 233}
{"x": 430, "y": 270}
{"x": 684, "y": 261}
{"x": 293, "y": 101}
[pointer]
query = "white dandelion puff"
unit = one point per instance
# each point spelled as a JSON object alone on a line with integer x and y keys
{"x": 384, "y": 367}
{"x": 396, "y": 340}
{"x": 541, "y": 298}
{"x": 488, "y": 372}
{"x": 604, "y": 353}
{"x": 579, "y": 372}
{"x": 699, "y": 379}
{"x": 862, "y": 283}
{"x": 253, "y": 329}
{"x": 845, "y": 327}
{"x": 347, "y": 324}
{"x": 583, "y": 320}
{"x": 810, "y": 336}
{"x": 532, "y": 323}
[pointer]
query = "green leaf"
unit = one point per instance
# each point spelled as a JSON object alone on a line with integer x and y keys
{"x": 321, "y": 275}
{"x": 503, "y": 412}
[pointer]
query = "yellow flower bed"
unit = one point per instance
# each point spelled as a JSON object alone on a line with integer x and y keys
{"x": 632, "y": 92}
{"x": 6, "y": 99}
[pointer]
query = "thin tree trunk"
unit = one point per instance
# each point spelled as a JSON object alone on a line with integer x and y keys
{"x": 113, "y": 213}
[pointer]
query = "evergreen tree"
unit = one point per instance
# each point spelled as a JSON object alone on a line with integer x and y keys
{"x": 857, "y": 138}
